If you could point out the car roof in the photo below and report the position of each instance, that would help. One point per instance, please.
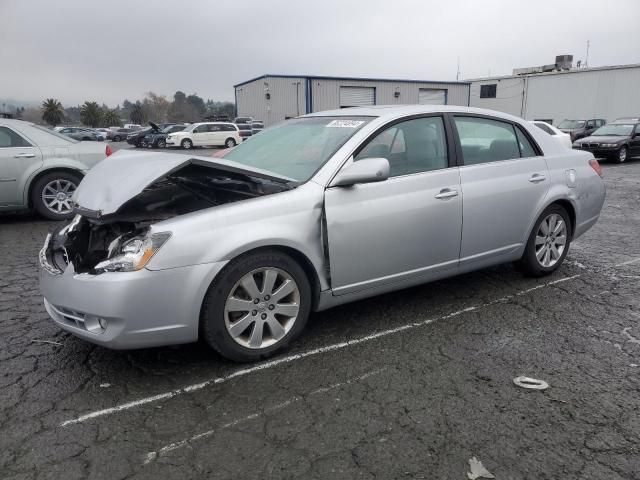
(395, 111)
(627, 120)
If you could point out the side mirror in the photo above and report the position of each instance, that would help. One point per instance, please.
(367, 170)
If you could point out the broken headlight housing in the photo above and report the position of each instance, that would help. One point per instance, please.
(134, 253)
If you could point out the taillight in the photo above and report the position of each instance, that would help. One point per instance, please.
(108, 150)
(596, 166)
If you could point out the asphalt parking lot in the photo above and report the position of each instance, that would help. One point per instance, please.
(407, 385)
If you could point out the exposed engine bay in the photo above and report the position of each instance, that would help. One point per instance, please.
(95, 244)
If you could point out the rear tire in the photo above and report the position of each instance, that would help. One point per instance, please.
(117, 139)
(230, 143)
(218, 319)
(547, 247)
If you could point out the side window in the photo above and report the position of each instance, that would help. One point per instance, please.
(413, 146)
(544, 127)
(591, 124)
(485, 140)
(9, 139)
(229, 128)
(200, 129)
(526, 149)
(214, 128)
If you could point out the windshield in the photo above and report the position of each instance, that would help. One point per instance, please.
(297, 148)
(614, 129)
(572, 124)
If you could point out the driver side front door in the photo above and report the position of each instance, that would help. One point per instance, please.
(405, 229)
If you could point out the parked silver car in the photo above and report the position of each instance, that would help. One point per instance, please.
(40, 168)
(315, 212)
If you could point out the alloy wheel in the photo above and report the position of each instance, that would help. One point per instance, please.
(262, 307)
(622, 155)
(56, 196)
(551, 240)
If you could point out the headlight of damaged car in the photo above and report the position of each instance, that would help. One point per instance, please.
(609, 145)
(134, 253)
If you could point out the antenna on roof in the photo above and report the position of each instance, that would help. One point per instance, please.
(458, 71)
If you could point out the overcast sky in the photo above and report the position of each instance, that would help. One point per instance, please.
(77, 50)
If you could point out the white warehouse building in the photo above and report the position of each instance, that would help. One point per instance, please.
(273, 98)
(574, 93)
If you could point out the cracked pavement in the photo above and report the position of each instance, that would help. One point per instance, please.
(415, 403)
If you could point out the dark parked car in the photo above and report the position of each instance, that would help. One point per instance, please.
(159, 139)
(617, 140)
(82, 134)
(256, 127)
(245, 130)
(119, 135)
(136, 138)
(580, 128)
(239, 120)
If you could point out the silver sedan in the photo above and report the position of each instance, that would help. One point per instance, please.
(41, 168)
(315, 212)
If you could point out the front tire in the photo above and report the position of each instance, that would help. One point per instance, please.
(117, 139)
(51, 195)
(258, 304)
(548, 242)
(161, 144)
(622, 155)
(186, 144)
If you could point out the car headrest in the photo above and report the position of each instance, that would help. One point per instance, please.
(503, 149)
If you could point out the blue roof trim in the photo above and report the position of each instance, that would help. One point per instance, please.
(359, 79)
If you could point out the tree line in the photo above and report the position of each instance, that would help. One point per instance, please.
(181, 108)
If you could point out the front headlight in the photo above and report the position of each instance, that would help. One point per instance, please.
(134, 254)
(609, 145)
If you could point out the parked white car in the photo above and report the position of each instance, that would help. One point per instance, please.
(206, 134)
(41, 168)
(559, 136)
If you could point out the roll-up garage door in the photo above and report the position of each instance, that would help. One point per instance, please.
(357, 96)
(432, 96)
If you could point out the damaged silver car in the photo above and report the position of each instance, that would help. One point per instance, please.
(317, 211)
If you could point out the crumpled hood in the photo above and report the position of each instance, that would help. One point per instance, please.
(125, 174)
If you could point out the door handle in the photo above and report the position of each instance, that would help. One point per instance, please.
(25, 155)
(536, 177)
(446, 193)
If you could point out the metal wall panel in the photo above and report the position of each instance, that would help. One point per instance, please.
(607, 94)
(282, 103)
(251, 97)
(432, 96)
(325, 93)
(509, 95)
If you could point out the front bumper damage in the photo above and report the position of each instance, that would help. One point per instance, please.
(124, 310)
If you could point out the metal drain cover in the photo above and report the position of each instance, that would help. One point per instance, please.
(531, 383)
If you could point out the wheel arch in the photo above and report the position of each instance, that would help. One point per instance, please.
(303, 260)
(42, 173)
(569, 207)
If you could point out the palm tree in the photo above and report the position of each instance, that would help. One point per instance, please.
(91, 114)
(138, 115)
(52, 112)
(110, 118)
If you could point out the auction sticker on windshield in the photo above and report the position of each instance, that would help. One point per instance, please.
(345, 123)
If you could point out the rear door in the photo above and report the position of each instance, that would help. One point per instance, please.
(18, 160)
(216, 135)
(634, 143)
(504, 180)
(402, 229)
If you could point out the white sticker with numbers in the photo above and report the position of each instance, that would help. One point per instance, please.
(345, 123)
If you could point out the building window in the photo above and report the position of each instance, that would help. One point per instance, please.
(488, 91)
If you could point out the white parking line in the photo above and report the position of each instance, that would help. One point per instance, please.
(299, 356)
(628, 262)
(149, 457)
